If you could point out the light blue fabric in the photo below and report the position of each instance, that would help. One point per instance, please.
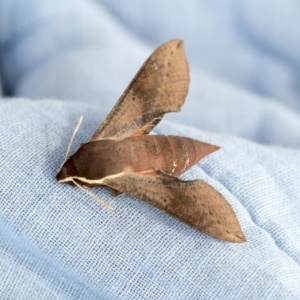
(61, 60)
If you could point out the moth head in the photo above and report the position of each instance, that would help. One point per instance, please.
(66, 173)
(67, 167)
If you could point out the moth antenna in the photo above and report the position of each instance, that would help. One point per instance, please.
(73, 136)
(105, 204)
(72, 139)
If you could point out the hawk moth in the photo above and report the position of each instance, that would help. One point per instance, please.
(122, 156)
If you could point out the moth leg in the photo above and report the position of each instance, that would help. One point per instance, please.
(194, 202)
(86, 190)
(114, 192)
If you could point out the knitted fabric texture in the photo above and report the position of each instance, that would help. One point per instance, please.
(75, 58)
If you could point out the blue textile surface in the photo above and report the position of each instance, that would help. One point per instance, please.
(61, 60)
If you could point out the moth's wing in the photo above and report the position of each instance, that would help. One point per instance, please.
(160, 86)
(193, 202)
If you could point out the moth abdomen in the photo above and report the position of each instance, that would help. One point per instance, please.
(177, 154)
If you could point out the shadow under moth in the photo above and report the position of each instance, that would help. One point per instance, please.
(122, 155)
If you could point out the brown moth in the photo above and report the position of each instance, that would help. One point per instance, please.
(122, 156)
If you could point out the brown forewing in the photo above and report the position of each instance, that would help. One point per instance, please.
(160, 86)
(194, 202)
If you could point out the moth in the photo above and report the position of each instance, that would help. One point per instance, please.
(122, 156)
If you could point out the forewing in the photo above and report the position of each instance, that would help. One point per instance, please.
(160, 86)
(193, 202)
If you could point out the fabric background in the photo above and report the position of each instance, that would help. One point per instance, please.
(61, 60)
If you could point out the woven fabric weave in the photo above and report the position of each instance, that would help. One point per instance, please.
(65, 60)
